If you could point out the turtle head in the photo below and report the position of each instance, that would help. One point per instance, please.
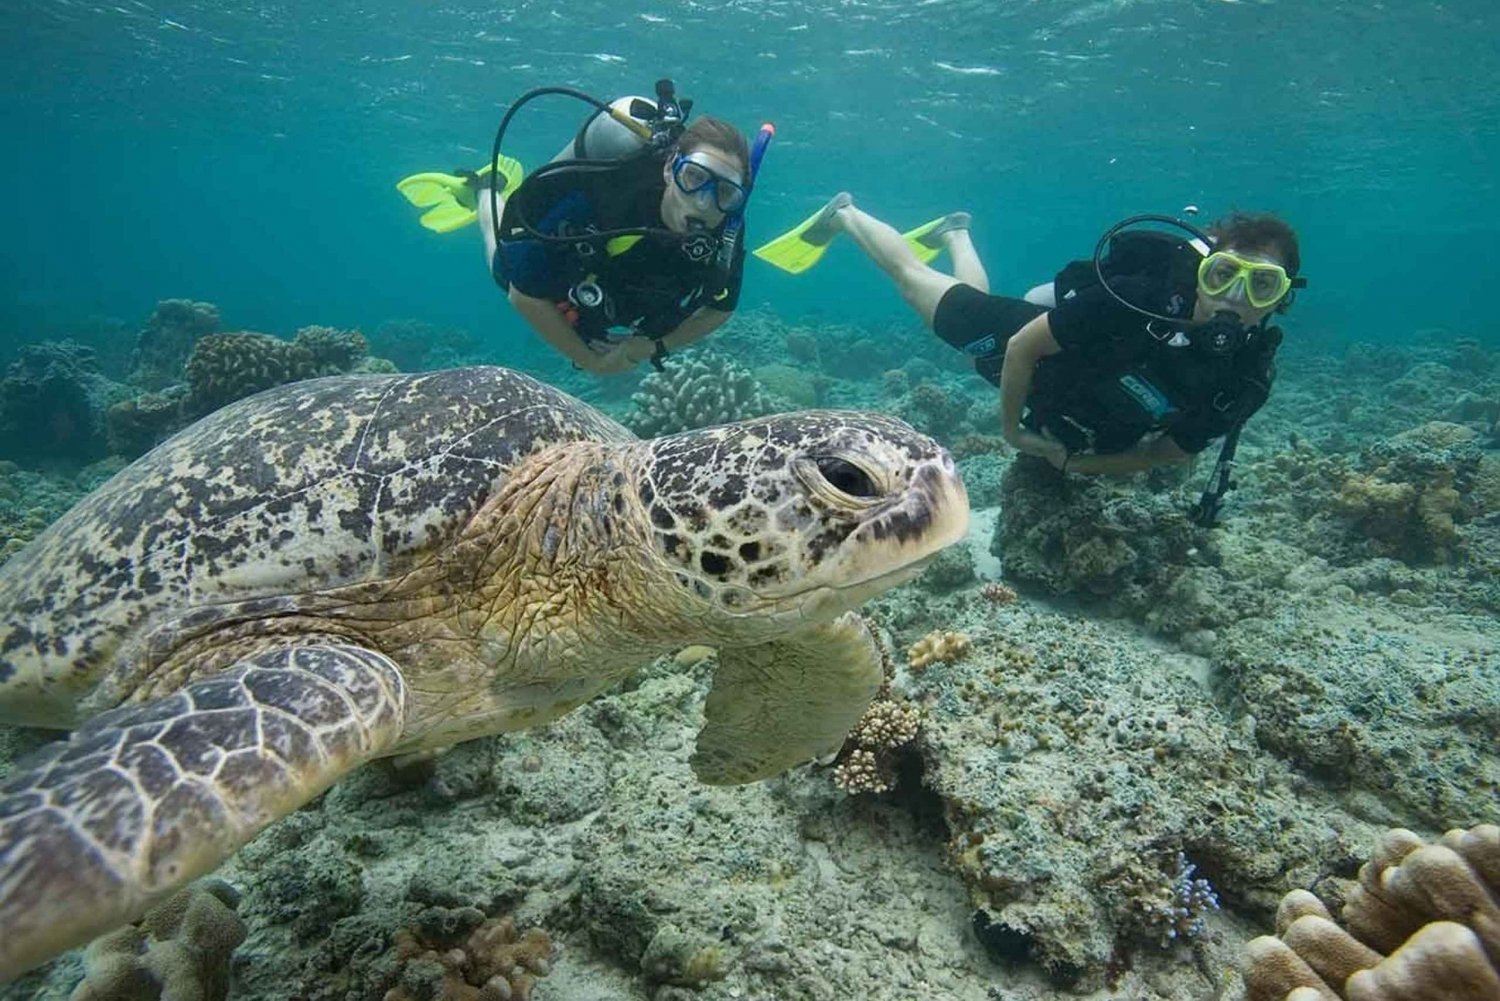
(798, 517)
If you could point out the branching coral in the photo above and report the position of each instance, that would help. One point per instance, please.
(704, 390)
(998, 594)
(180, 950)
(1168, 907)
(1421, 924)
(866, 762)
(227, 367)
(937, 647)
(495, 962)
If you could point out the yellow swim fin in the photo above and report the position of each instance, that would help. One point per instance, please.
(926, 241)
(800, 247)
(451, 200)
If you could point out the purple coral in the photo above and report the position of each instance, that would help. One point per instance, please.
(1191, 898)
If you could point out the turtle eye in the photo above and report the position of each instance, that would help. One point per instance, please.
(847, 478)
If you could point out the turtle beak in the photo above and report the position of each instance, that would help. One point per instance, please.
(899, 538)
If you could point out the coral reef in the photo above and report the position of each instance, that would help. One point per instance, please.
(952, 569)
(686, 960)
(1055, 729)
(136, 425)
(163, 345)
(997, 593)
(696, 391)
(1093, 536)
(179, 951)
(796, 386)
(1411, 488)
(222, 368)
(52, 404)
(937, 647)
(842, 351)
(982, 478)
(302, 884)
(1307, 676)
(495, 961)
(30, 501)
(417, 346)
(970, 445)
(1421, 923)
(865, 760)
(1162, 905)
(802, 346)
(894, 382)
(1363, 702)
(333, 351)
(936, 411)
(228, 367)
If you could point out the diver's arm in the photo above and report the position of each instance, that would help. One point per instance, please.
(697, 325)
(1026, 347)
(555, 330)
(1158, 451)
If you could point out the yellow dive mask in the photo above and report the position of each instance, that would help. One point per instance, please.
(1264, 283)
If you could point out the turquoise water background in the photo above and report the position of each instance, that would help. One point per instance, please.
(246, 154)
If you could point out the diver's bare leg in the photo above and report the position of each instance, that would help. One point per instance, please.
(967, 267)
(922, 287)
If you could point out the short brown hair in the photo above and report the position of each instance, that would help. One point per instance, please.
(717, 134)
(1263, 232)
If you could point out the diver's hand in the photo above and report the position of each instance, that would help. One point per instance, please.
(1044, 447)
(1056, 455)
(638, 348)
(624, 356)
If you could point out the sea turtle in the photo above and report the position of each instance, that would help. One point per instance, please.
(362, 566)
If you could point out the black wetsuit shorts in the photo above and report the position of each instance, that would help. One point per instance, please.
(979, 324)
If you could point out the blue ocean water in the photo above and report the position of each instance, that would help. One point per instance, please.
(246, 154)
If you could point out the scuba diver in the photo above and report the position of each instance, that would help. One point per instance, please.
(628, 245)
(1134, 359)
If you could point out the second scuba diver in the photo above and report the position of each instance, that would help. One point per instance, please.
(1137, 358)
(628, 245)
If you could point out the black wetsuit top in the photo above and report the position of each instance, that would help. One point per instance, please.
(1114, 381)
(650, 284)
(1119, 378)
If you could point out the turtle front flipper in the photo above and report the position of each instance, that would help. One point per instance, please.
(146, 798)
(781, 703)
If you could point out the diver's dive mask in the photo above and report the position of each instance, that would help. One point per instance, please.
(1224, 273)
(693, 177)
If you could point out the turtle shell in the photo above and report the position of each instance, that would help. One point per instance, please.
(300, 488)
